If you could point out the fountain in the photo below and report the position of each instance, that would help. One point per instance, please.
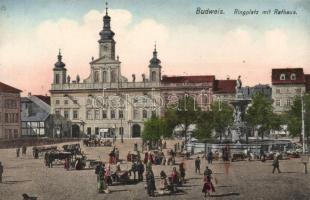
(240, 103)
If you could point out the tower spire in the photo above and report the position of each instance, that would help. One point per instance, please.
(59, 55)
(106, 8)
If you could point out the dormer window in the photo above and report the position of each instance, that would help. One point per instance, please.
(282, 77)
(293, 76)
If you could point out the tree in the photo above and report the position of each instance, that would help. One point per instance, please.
(204, 126)
(294, 117)
(152, 129)
(260, 115)
(222, 114)
(184, 112)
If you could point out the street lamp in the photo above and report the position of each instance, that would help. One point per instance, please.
(303, 124)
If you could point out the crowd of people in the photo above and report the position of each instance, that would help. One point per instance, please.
(141, 168)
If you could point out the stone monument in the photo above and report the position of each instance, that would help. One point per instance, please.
(239, 128)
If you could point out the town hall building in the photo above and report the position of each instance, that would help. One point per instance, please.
(107, 103)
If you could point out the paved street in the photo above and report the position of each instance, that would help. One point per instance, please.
(245, 180)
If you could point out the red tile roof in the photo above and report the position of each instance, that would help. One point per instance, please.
(8, 89)
(276, 73)
(224, 86)
(46, 99)
(187, 79)
(307, 79)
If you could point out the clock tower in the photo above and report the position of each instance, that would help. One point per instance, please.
(106, 42)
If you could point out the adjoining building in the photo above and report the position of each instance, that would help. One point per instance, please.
(9, 112)
(106, 103)
(249, 92)
(288, 83)
(37, 121)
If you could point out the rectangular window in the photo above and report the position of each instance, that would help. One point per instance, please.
(112, 114)
(88, 130)
(57, 79)
(97, 114)
(135, 114)
(97, 131)
(66, 102)
(75, 114)
(278, 102)
(6, 118)
(104, 114)
(57, 102)
(144, 114)
(278, 91)
(288, 102)
(88, 114)
(121, 114)
(57, 112)
(298, 90)
(66, 114)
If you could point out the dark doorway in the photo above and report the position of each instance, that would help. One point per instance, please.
(75, 130)
(136, 131)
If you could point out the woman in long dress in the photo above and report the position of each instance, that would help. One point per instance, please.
(208, 185)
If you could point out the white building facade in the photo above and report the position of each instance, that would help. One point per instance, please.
(107, 102)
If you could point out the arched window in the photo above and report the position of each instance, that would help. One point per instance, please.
(96, 77)
(153, 77)
(104, 76)
(57, 79)
(282, 77)
(293, 76)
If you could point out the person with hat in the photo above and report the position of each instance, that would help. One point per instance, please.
(197, 165)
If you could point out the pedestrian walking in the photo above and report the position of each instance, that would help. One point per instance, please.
(150, 182)
(208, 186)
(197, 165)
(107, 175)
(140, 170)
(210, 157)
(134, 169)
(182, 172)
(17, 152)
(276, 164)
(24, 149)
(1, 172)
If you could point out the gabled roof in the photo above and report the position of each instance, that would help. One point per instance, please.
(299, 72)
(187, 79)
(224, 86)
(9, 89)
(46, 99)
(103, 60)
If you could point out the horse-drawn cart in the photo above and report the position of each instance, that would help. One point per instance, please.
(121, 177)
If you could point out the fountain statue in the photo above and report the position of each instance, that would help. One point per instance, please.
(239, 128)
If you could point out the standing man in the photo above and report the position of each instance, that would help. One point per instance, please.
(140, 170)
(150, 182)
(210, 157)
(276, 163)
(1, 172)
(17, 152)
(197, 165)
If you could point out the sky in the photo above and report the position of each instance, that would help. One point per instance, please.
(32, 31)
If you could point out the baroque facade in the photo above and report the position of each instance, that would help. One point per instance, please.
(106, 103)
